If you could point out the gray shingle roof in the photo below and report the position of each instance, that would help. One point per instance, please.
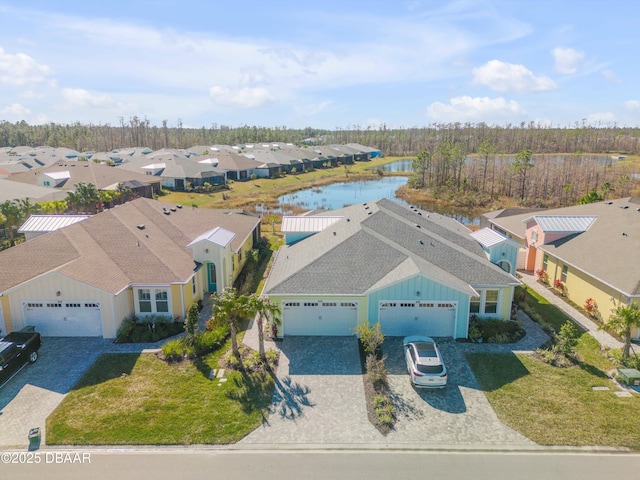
(379, 243)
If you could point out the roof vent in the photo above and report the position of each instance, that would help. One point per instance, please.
(624, 234)
(179, 206)
(348, 219)
(420, 242)
(141, 226)
(624, 207)
(167, 212)
(173, 209)
(334, 234)
(368, 213)
(418, 226)
(420, 213)
(608, 203)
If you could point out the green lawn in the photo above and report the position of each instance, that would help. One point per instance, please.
(138, 399)
(558, 406)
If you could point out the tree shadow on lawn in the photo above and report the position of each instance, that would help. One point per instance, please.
(107, 367)
(495, 370)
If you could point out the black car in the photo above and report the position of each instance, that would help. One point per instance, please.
(16, 350)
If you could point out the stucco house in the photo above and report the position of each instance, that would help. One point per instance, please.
(414, 271)
(592, 250)
(141, 258)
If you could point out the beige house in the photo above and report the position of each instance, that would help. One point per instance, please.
(141, 258)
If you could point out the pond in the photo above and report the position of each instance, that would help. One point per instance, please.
(339, 195)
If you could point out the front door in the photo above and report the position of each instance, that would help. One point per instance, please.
(211, 277)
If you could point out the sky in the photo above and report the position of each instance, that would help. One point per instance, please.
(330, 64)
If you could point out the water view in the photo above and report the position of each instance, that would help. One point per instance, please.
(338, 195)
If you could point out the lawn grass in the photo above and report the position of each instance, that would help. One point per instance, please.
(138, 399)
(551, 314)
(557, 406)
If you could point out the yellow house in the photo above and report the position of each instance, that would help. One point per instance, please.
(139, 259)
(590, 252)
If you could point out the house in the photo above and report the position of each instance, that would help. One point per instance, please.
(588, 251)
(414, 271)
(65, 175)
(141, 258)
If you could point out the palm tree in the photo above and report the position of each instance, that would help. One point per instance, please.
(264, 309)
(624, 318)
(231, 307)
(11, 212)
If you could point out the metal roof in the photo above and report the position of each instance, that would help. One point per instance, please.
(58, 175)
(307, 223)
(49, 223)
(488, 238)
(218, 235)
(563, 223)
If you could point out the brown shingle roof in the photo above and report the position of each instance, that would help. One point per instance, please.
(109, 251)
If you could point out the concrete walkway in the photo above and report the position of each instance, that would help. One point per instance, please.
(605, 339)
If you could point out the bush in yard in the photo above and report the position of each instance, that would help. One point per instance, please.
(210, 340)
(494, 330)
(376, 370)
(567, 339)
(371, 337)
(173, 350)
(591, 307)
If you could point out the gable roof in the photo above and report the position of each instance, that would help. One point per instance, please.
(607, 250)
(489, 238)
(109, 251)
(306, 223)
(378, 243)
(49, 223)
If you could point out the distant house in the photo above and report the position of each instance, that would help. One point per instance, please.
(371, 152)
(140, 258)
(587, 251)
(65, 175)
(414, 271)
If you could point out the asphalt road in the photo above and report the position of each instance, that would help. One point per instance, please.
(320, 464)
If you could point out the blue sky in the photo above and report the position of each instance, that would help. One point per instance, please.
(330, 64)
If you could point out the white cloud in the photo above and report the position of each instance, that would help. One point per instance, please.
(244, 97)
(632, 105)
(15, 110)
(466, 108)
(510, 77)
(568, 60)
(602, 118)
(21, 69)
(82, 98)
(611, 76)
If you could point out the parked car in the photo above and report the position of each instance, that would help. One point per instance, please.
(16, 350)
(424, 362)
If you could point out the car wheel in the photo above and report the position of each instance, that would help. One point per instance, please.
(33, 356)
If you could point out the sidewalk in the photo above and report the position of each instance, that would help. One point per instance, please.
(605, 339)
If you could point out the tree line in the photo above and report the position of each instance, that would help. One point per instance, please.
(508, 139)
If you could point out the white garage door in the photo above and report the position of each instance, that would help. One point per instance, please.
(434, 319)
(64, 319)
(319, 318)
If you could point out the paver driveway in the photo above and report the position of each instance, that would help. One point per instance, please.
(319, 395)
(27, 400)
(319, 399)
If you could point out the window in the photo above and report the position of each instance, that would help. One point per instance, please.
(545, 261)
(162, 301)
(193, 285)
(563, 276)
(47, 183)
(491, 301)
(534, 236)
(144, 300)
(474, 305)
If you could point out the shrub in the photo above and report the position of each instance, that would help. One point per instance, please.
(542, 275)
(567, 339)
(494, 330)
(173, 350)
(376, 370)
(371, 337)
(555, 357)
(559, 285)
(591, 307)
(210, 340)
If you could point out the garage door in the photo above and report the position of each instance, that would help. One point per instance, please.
(319, 318)
(435, 319)
(64, 319)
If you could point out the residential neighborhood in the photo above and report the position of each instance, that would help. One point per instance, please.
(81, 278)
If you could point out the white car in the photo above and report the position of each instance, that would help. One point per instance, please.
(424, 362)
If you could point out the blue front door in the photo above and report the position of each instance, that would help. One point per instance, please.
(211, 277)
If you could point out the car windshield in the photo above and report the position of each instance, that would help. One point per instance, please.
(430, 369)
